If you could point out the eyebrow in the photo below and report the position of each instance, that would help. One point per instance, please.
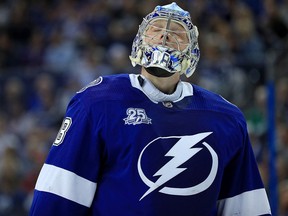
(173, 26)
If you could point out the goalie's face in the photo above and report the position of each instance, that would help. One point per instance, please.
(166, 33)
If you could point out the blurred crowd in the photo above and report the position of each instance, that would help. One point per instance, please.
(50, 49)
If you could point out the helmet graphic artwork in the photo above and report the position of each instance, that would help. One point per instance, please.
(170, 56)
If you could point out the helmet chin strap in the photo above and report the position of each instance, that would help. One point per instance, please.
(158, 72)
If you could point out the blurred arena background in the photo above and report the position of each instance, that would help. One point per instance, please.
(49, 49)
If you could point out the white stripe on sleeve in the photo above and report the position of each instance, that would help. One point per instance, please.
(67, 184)
(249, 203)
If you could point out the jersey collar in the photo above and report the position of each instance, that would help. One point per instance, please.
(183, 89)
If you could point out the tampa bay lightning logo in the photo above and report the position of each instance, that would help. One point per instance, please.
(183, 150)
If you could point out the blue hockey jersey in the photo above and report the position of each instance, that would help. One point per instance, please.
(124, 150)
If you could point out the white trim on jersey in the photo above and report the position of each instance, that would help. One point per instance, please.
(249, 203)
(66, 184)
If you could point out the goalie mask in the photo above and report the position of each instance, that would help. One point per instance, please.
(166, 42)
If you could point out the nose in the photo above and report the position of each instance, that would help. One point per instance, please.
(165, 37)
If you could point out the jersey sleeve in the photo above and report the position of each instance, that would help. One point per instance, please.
(68, 180)
(242, 190)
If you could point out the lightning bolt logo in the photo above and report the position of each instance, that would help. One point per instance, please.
(181, 152)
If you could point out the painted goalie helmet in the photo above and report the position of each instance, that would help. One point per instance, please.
(163, 49)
